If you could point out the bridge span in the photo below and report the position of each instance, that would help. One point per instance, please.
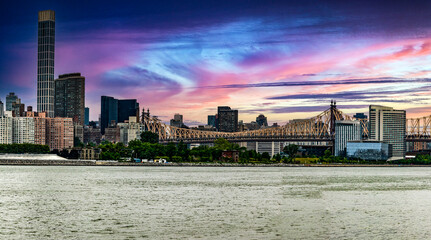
(320, 128)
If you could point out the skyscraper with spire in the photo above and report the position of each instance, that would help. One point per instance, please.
(45, 62)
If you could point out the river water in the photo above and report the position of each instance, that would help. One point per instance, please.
(56, 202)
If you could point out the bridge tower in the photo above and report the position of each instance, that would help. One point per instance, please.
(333, 117)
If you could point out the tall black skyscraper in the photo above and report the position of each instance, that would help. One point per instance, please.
(70, 97)
(127, 108)
(45, 62)
(108, 112)
(116, 111)
(227, 119)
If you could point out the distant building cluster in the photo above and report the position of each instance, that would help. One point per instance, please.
(36, 128)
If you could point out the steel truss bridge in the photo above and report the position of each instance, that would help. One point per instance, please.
(320, 128)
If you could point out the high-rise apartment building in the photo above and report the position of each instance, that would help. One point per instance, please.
(59, 133)
(70, 97)
(5, 130)
(389, 126)
(45, 62)
(22, 130)
(40, 130)
(177, 121)
(18, 108)
(227, 119)
(10, 98)
(346, 131)
(116, 111)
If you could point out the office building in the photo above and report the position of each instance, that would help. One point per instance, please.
(45, 62)
(109, 112)
(1, 109)
(10, 98)
(18, 108)
(389, 126)
(115, 111)
(364, 123)
(127, 108)
(22, 130)
(368, 150)
(134, 129)
(112, 134)
(271, 148)
(262, 120)
(87, 116)
(211, 120)
(177, 121)
(92, 135)
(345, 131)
(78, 134)
(5, 130)
(59, 133)
(123, 129)
(360, 116)
(69, 98)
(227, 119)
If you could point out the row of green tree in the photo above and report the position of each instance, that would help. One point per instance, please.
(149, 148)
(420, 159)
(23, 148)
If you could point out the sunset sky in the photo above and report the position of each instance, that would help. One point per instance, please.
(284, 59)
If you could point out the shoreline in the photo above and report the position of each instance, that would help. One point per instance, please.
(28, 162)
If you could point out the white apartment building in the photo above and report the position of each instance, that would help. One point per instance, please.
(22, 130)
(5, 130)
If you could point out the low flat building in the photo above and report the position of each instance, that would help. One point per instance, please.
(270, 147)
(89, 153)
(369, 150)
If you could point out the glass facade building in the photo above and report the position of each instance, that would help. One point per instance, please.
(345, 131)
(212, 120)
(115, 111)
(108, 112)
(45, 62)
(127, 108)
(368, 150)
(10, 99)
(87, 116)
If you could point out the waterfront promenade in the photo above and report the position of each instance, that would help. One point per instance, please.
(221, 164)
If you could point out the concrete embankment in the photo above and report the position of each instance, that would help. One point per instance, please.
(40, 162)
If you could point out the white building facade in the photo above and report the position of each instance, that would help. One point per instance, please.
(22, 130)
(345, 131)
(5, 130)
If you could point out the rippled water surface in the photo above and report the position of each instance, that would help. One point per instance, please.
(55, 202)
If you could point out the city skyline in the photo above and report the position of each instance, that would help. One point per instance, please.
(284, 60)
